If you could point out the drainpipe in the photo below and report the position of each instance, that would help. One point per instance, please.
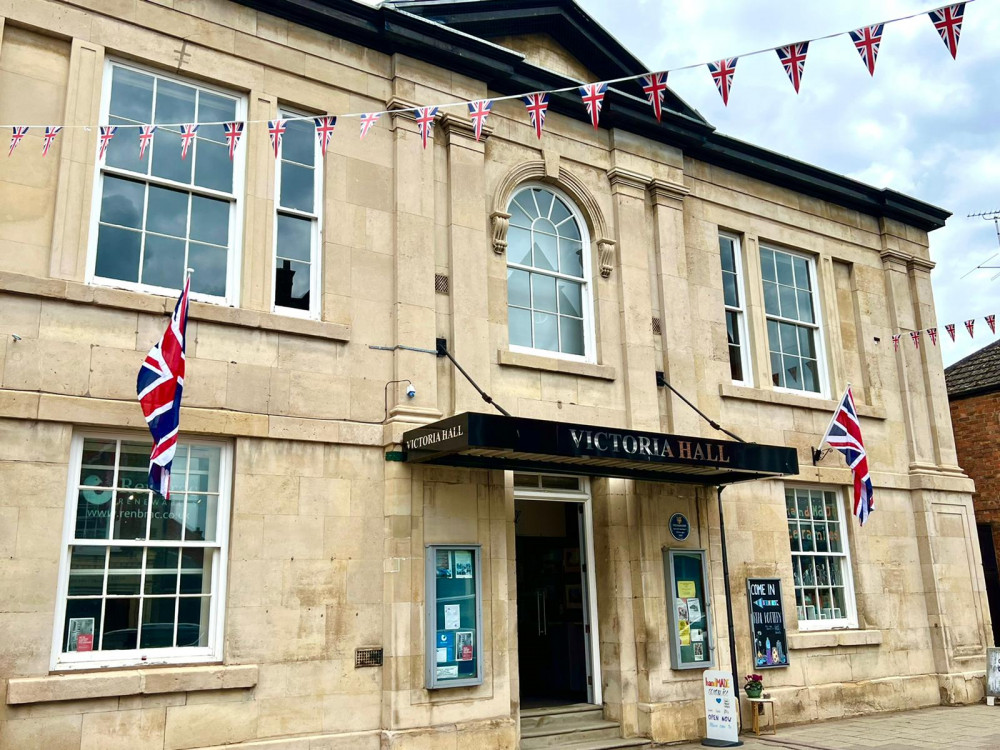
(729, 610)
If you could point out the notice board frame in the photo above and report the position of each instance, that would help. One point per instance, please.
(431, 620)
(783, 631)
(677, 660)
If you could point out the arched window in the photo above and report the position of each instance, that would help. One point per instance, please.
(548, 275)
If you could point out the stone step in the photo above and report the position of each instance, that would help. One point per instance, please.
(570, 733)
(553, 716)
(609, 744)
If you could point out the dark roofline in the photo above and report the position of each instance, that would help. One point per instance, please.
(989, 368)
(973, 392)
(390, 30)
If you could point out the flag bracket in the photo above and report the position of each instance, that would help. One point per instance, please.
(818, 454)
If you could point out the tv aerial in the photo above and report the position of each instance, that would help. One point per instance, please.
(993, 216)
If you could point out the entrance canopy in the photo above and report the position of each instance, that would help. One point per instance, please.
(491, 441)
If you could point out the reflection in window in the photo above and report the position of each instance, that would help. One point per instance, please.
(142, 568)
(732, 287)
(161, 214)
(548, 299)
(792, 320)
(298, 211)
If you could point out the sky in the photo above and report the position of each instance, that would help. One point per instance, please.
(925, 125)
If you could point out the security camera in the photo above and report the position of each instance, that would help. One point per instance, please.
(411, 391)
(15, 337)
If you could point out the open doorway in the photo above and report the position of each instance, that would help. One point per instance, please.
(554, 596)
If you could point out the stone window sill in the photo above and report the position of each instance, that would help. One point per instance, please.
(554, 364)
(728, 390)
(117, 683)
(123, 299)
(804, 640)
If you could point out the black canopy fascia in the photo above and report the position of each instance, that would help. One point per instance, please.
(491, 441)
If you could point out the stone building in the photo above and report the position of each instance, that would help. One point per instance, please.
(974, 393)
(323, 519)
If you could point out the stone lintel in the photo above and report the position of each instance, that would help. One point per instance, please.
(805, 639)
(554, 364)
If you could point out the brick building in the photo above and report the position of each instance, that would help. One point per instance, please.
(974, 393)
(347, 562)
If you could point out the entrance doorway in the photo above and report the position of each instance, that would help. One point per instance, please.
(556, 639)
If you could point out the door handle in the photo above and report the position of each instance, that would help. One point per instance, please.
(545, 615)
(538, 609)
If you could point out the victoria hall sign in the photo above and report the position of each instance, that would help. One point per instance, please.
(494, 441)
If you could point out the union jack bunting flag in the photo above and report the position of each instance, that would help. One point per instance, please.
(722, 73)
(932, 335)
(233, 131)
(969, 325)
(915, 337)
(276, 129)
(479, 111)
(950, 328)
(159, 386)
(145, 138)
(367, 121)
(50, 135)
(793, 58)
(425, 122)
(867, 40)
(593, 99)
(844, 435)
(324, 129)
(895, 342)
(948, 22)
(187, 135)
(106, 134)
(537, 104)
(654, 86)
(991, 321)
(19, 131)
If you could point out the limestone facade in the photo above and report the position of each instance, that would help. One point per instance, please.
(325, 552)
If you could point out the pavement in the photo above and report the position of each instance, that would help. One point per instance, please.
(975, 726)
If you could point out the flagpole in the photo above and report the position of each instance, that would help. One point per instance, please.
(834, 417)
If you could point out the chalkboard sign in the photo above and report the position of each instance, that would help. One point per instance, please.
(767, 623)
(993, 672)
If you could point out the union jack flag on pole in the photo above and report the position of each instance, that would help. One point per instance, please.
(867, 41)
(145, 138)
(367, 121)
(654, 86)
(479, 111)
(793, 59)
(537, 104)
(722, 73)
(324, 129)
(948, 22)
(159, 387)
(844, 435)
(19, 131)
(593, 98)
(51, 132)
(233, 131)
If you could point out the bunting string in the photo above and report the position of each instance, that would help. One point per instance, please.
(932, 333)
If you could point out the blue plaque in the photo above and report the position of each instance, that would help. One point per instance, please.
(679, 527)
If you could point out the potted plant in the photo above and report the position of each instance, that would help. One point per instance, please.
(753, 685)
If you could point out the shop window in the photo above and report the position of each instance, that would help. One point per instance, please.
(161, 214)
(735, 307)
(142, 577)
(454, 616)
(298, 211)
(549, 305)
(821, 562)
(793, 320)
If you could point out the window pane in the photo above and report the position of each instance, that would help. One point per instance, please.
(726, 254)
(560, 213)
(83, 623)
(124, 570)
(571, 335)
(158, 622)
(121, 617)
(133, 470)
(123, 149)
(294, 238)
(543, 292)
(93, 514)
(786, 297)
(519, 326)
(767, 264)
(732, 328)
(519, 246)
(776, 371)
(167, 162)
(810, 371)
(735, 363)
(789, 338)
(210, 220)
(571, 299)
(570, 257)
(130, 514)
(792, 373)
(167, 515)
(569, 229)
(86, 571)
(117, 253)
(161, 570)
(543, 199)
(292, 284)
(213, 168)
(518, 288)
(196, 575)
(192, 628)
(805, 306)
(546, 331)
(545, 253)
(131, 95)
(215, 108)
(518, 216)
(783, 262)
(299, 142)
(297, 187)
(801, 268)
(793, 536)
(121, 202)
(209, 265)
(163, 262)
(167, 213)
(729, 292)
(203, 471)
(771, 299)
(807, 346)
(174, 103)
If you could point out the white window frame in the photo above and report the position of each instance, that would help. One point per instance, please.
(587, 295)
(236, 199)
(817, 325)
(741, 310)
(850, 619)
(315, 270)
(62, 660)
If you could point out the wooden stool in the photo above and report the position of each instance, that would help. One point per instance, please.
(756, 705)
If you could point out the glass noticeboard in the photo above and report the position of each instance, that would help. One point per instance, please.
(688, 609)
(454, 616)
